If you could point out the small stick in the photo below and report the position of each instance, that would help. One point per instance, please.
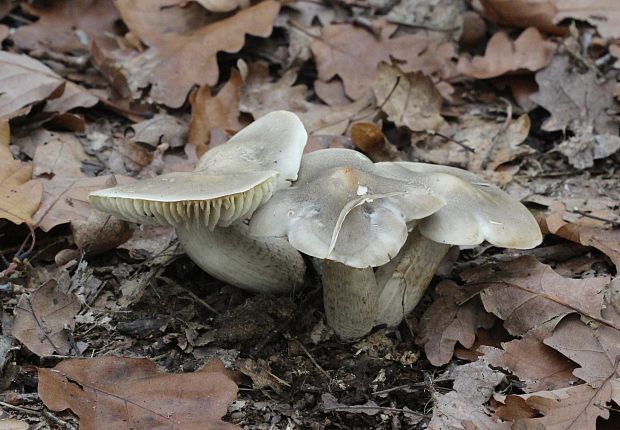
(323, 371)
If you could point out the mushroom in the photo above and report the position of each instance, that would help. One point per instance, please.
(354, 215)
(208, 206)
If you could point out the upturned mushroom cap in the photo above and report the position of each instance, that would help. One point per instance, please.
(275, 142)
(344, 213)
(188, 197)
(345, 208)
(229, 182)
(475, 209)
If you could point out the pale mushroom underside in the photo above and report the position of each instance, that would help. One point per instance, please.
(188, 198)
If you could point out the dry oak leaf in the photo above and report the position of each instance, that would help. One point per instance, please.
(409, 99)
(161, 128)
(537, 365)
(260, 96)
(44, 320)
(606, 241)
(493, 144)
(156, 21)
(575, 100)
(451, 318)
(530, 51)
(526, 293)
(65, 187)
(522, 13)
(171, 68)
(209, 112)
(24, 81)
(351, 53)
(66, 25)
(464, 408)
(573, 408)
(418, 53)
(20, 196)
(116, 393)
(602, 14)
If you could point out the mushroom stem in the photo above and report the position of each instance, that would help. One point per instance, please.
(405, 278)
(350, 297)
(264, 265)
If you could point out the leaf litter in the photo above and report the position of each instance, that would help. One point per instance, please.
(522, 93)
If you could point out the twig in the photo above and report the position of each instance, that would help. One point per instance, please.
(189, 293)
(26, 411)
(458, 142)
(345, 408)
(598, 218)
(318, 366)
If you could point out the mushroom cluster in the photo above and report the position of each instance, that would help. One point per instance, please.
(376, 231)
(353, 215)
(208, 206)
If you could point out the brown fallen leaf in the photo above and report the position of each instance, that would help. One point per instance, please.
(12, 424)
(573, 408)
(195, 55)
(25, 81)
(44, 320)
(351, 53)
(537, 365)
(61, 24)
(575, 100)
(219, 111)
(451, 318)
(493, 144)
(260, 96)
(410, 100)
(527, 294)
(130, 393)
(419, 53)
(530, 51)
(594, 348)
(605, 241)
(464, 408)
(146, 19)
(522, 13)
(602, 14)
(65, 187)
(19, 195)
(162, 128)
(100, 232)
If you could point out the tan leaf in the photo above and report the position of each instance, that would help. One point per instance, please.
(219, 111)
(44, 319)
(130, 393)
(523, 13)
(491, 144)
(24, 81)
(602, 14)
(530, 51)
(12, 424)
(410, 100)
(464, 408)
(606, 241)
(351, 53)
(260, 96)
(595, 348)
(574, 408)
(146, 19)
(162, 128)
(65, 187)
(60, 24)
(172, 67)
(223, 5)
(19, 195)
(526, 293)
(418, 53)
(534, 363)
(575, 100)
(448, 320)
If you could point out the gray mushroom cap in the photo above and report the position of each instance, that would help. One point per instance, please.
(343, 213)
(475, 209)
(275, 142)
(345, 208)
